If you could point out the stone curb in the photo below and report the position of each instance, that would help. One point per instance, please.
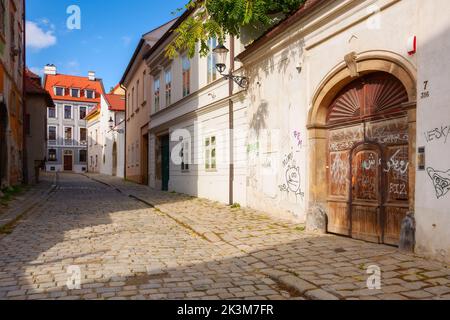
(302, 287)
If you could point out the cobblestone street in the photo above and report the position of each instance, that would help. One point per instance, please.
(131, 242)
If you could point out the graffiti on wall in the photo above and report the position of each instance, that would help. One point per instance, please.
(298, 138)
(441, 181)
(438, 134)
(292, 177)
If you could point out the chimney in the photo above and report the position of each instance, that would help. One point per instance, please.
(50, 69)
(91, 75)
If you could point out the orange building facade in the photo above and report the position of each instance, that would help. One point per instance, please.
(12, 57)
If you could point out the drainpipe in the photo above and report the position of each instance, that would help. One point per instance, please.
(125, 134)
(231, 123)
(24, 111)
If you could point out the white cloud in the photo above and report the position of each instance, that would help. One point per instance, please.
(37, 38)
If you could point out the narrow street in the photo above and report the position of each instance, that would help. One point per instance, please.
(131, 242)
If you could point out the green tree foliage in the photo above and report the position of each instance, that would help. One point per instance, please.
(219, 18)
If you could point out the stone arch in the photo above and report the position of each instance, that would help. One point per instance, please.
(351, 68)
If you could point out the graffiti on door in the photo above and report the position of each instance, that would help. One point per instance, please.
(441, 181)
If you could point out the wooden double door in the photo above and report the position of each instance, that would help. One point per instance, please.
(368, 160)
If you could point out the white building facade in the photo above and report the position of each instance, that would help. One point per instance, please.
(195, 119)
(353, 95)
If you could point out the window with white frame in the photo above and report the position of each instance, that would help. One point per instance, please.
(168, 83)
(186, 66)
(157, 93)
(67, 112)
(90, 94)
(74, 92)
(59, 91)
(52, 133)
(83, 112)
(212, 72)
(83, 136)
(51, 112)
(210, 153)
(68, 135)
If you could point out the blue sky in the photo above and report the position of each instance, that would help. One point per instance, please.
(110, 31)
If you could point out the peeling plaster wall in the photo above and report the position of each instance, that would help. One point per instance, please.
(285, 75)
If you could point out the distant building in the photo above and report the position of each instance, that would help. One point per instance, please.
(74, 98)
(137, 81)
(106, 131)
(12, 59)
(35, 125)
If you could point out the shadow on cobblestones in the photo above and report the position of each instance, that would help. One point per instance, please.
(126, 250)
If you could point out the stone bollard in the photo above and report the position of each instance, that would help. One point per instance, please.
(316, 220)
(408, 233)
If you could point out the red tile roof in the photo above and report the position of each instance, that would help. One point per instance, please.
(68, 82)
(116, 102)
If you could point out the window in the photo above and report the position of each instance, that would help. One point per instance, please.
(52, 155)
(144, 98)
(2, 17)
(133, 100)
(90, 139)
(68, 135)
(129, 105)
(96, 161)
(210, 153)
(168, 82)
(132, 155)
(83, 156)
(212, 72)
(90, 94)
(52, 133)
(67, 112)
(52, 113)
(75, 93)
(157, 91)
(185, 155)
(59, 91)
(96, 136)
(137, 95)
(186, 76)
(83, 136)
(83, 113)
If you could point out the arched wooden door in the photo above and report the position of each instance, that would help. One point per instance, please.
(368, 159)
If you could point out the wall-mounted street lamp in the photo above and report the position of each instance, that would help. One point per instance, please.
(221, 53)
(111, 126)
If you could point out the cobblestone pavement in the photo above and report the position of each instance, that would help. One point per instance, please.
(131, 242)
